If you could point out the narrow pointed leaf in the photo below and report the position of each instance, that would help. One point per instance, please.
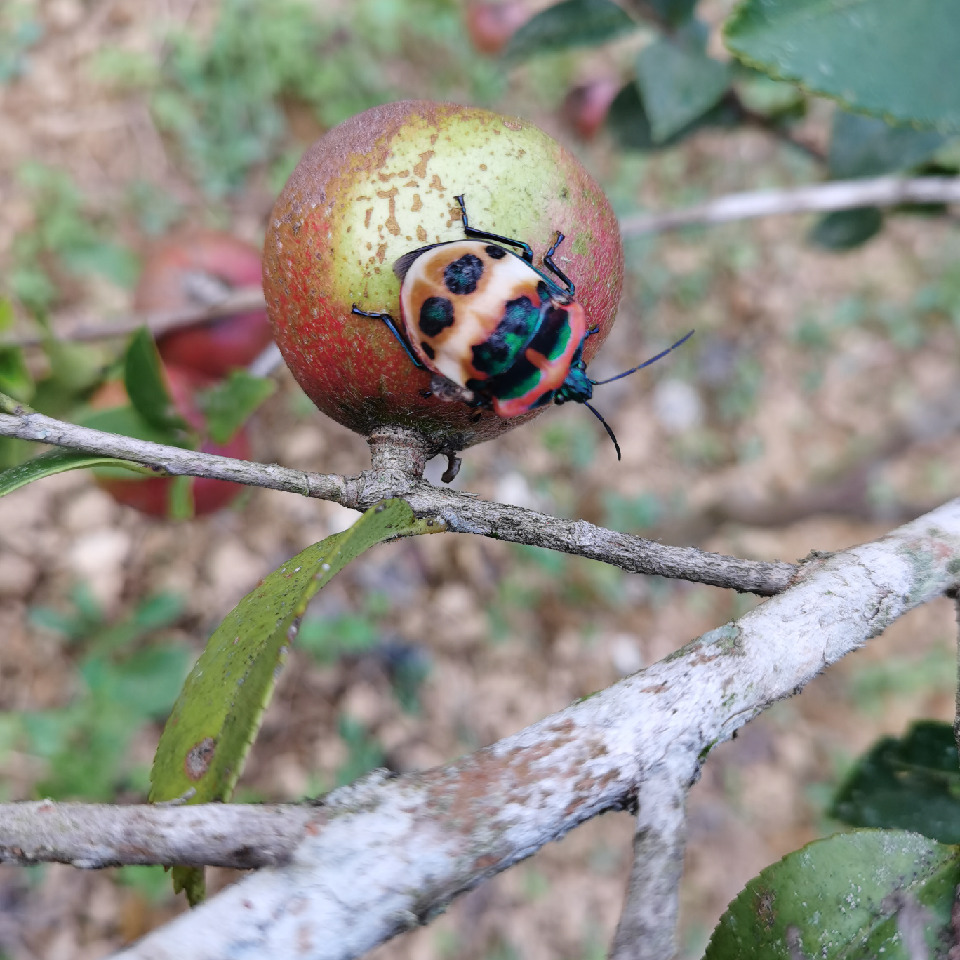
(145, 385)
(230, 403)
(205, 741)
(58, 461)
(869, 893)
(887, 58)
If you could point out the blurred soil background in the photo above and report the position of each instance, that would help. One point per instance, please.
(804, 415)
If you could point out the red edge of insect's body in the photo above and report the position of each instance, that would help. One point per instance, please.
(553, 372)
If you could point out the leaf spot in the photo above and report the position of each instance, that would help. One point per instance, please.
(198, 758)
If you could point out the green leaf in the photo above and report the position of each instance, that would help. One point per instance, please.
(629, 124)
(911, 783)
(189, 880)
(846, 229)
(673, 12)
(15, 378)
(229, 404)
(218, 713)
(74, 367)
(571, 23)
(144, 684)
(678, 84)
(146, 387)
(853, 895)
(116, 263)
(868, 147)
(56, 461)
(887, 58)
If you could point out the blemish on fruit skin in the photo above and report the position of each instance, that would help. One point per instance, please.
(420, 167)
(483, 166)
(417, 203)
(381, 252)
(421, 234)
(367, 216)
(391, 222)
(435, 184)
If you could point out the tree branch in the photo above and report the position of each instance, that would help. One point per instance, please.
(92, 836)
(460, 512)
(385, 854)
(648, 924)
(814, 198)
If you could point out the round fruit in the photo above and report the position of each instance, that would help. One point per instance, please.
(585, 107)
(195, 270)
(384, 184)
(491, 23)
(151, 495)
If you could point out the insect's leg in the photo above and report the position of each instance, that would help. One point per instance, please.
(548, 262)
(394, 329)
(475, 234)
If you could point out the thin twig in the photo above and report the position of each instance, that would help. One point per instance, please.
(157, 322)
(459, 512)
(815, 198)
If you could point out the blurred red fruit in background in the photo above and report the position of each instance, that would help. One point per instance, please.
(198, 270)
(491, 25)
(586, 106)
(152, 495)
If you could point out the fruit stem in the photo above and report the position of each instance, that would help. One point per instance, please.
(398, 456)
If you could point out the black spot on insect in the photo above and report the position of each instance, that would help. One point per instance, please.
(513, 333)
(436, 315)
(461, 276)
(427, 349)
(495, 253)
(543, 291)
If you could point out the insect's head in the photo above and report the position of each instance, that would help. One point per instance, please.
(578, 387)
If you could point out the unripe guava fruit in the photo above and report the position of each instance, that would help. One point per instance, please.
(191, 270)
(151, 495)
(382, 184)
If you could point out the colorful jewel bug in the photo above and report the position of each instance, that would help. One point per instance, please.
(495, 331)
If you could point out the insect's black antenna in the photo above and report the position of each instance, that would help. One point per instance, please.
(646, 363)
(606, 426)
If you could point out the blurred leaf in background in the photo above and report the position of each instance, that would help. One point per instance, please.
(128, 677)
